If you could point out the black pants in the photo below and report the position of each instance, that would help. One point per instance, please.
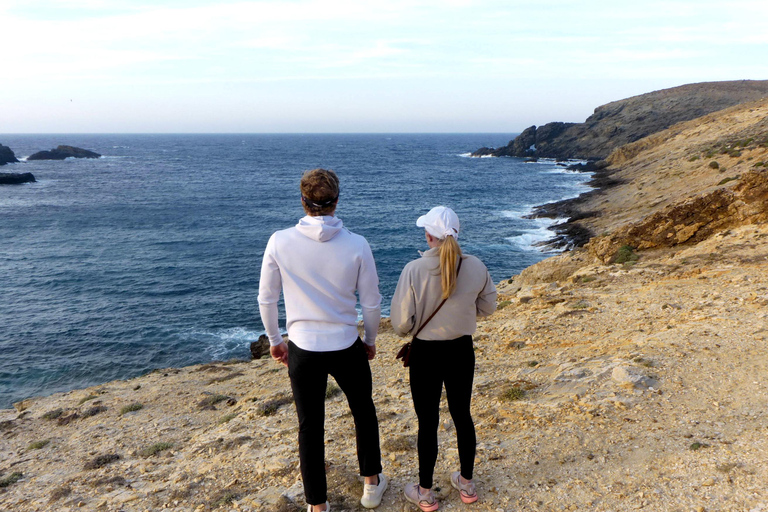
(434, 363)
(309, 377)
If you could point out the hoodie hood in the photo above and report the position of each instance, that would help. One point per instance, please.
(320, 229)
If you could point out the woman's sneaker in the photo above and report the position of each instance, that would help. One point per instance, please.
(372, 493)
(467, 491)
(425, 501)
(327, 507)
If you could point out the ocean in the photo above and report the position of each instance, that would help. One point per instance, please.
(149, 257)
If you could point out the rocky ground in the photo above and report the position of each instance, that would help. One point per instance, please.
(610, 379)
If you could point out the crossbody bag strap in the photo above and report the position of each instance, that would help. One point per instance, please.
(438, 307)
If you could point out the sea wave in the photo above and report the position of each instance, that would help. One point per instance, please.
(531, 239)
(222, 344)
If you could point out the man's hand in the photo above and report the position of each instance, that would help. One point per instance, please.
(370, 350)
(280, 353)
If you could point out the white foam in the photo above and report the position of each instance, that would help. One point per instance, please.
(224, 344)
(465, 155)
(531, 238)
(517, 214)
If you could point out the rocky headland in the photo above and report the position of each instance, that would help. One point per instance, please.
(621, 122)
(63, 152)
(7, 156)
(626, 374)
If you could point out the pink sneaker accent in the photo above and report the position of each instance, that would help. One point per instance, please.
(467, 491)
(426, 501)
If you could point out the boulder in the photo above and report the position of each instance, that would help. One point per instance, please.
(260, 348)
(16, 178)
(62, 152)
(7, 156)
(485, 152)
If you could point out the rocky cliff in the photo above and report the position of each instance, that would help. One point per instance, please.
(621, 122)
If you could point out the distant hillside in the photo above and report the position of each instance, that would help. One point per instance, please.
(621, 122)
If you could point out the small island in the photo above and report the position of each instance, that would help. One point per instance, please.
(62, 152)
(7, 156)
(12, 178)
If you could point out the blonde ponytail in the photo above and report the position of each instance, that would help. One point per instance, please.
(450, 252)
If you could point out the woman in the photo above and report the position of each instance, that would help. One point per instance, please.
(460, 289)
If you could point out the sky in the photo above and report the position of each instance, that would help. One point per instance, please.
(343, 66)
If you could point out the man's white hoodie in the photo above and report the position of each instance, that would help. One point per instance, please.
(319, 265)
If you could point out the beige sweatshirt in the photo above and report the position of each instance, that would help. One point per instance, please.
(419, 293)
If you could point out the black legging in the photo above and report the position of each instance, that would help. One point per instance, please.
(434, 363)
(309, 376)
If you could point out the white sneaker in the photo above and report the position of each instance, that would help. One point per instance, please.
(372, 493)
(327, 507)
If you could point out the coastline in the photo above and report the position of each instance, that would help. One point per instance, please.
(602, 383)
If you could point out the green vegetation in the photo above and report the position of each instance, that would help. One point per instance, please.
(332, 390)
(101, 461)
(227, 418)
(582, 304)
(532, 364)
(36, 445)
(503, 304)
(513, 394)
(270, 407)
(59, 493)
(225, 377)
(10, 479)
(130, 408)
(223, 499)
(645, 362)
(693, 158)
(697, 446)
(156, 448)
(87, 398)
(714, 165)
(732, 178)
(626, 255)
(93, 411)
(211, 400)
(52, 415)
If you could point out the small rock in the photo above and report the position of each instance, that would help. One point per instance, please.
(631, 377)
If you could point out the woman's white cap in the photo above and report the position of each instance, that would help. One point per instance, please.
(440, 222)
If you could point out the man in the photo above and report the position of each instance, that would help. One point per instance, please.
(319, 265)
